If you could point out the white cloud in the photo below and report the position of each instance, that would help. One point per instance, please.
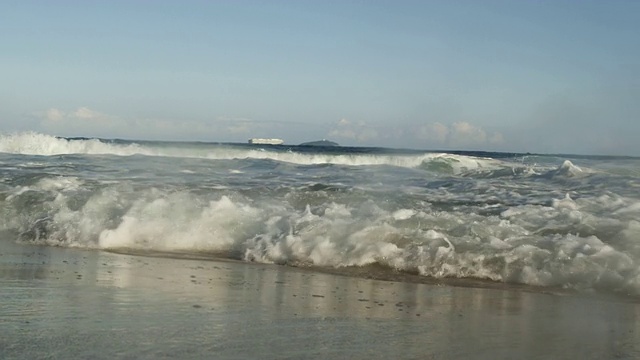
(343, 122)
(459, 135)
(87, 114)
(436, 132)
(54, 114)
(360, 132)
(84, 121)
(81, 113)
(343, 133)
(464, 135)
(239, 126)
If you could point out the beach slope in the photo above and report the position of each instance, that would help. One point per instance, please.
(62, 303)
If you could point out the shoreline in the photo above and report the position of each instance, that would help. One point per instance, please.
(71, 303)
(376, 272)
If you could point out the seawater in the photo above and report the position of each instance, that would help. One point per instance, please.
(562, 221)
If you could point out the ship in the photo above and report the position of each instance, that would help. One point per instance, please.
(263, 141)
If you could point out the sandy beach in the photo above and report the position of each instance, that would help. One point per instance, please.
(62, 303)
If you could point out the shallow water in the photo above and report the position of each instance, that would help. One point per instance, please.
(62, 303)
(568, 222)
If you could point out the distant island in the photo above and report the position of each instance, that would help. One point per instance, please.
(322, 142)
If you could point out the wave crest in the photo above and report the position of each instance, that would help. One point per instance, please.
(31, 143)
(561, 244)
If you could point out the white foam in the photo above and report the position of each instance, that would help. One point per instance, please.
(31, 143)
(403, 214)
(568, 169)
(529, 244)
(576, 240)
(566, 203)
(176, 223)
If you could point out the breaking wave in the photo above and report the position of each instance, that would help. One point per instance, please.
(46, 145)
(584, 244)
(535, 220)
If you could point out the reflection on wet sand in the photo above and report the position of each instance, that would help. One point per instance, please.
(63, 303)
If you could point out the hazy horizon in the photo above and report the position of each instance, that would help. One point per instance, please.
(27, 139)
(539, 77)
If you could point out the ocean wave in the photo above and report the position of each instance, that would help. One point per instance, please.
(586, 243)
(31, 143)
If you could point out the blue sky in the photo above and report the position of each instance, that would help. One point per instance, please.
(528, 76)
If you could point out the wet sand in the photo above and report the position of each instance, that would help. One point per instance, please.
(61, 303)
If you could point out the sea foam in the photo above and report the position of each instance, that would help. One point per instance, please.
(553, 223)
(45, 145)
(559, 245)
